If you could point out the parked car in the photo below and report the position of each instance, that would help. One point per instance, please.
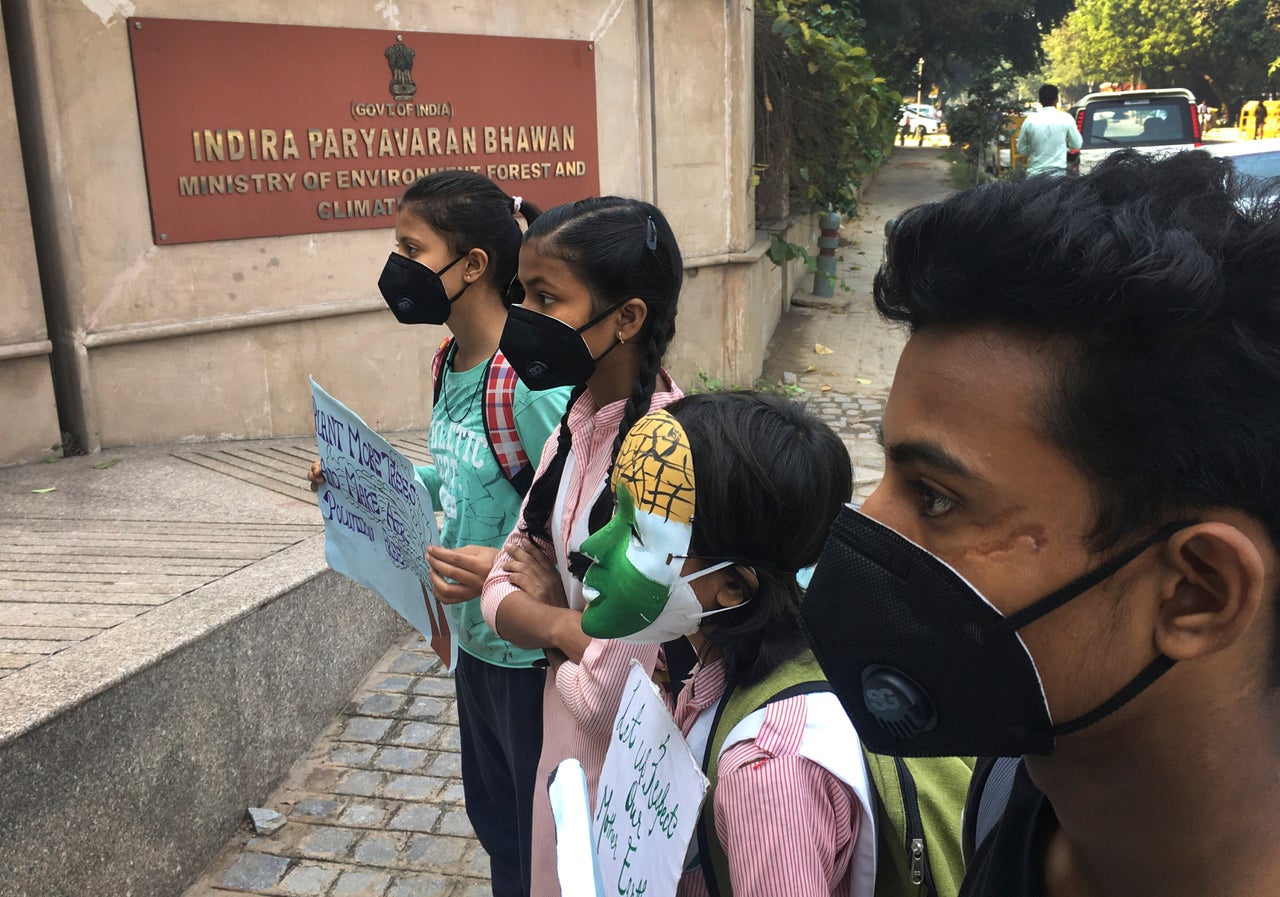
(1256, 159)
(1150, 121)
(919, 119)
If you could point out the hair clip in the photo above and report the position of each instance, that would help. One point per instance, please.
(651, 237)
(515, 204)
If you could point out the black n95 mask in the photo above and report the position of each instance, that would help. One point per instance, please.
(924, 665)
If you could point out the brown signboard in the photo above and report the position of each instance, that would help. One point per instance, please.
(255, 130)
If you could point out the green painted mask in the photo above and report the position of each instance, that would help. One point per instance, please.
(637, 555)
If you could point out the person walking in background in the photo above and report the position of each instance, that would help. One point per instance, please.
(1046, 135)
(1260, 119)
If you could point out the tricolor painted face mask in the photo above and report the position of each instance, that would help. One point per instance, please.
(633, 586)
(924, 665)
(414, 292)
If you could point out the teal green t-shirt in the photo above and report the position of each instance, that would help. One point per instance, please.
(479, 505)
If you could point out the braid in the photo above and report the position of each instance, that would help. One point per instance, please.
(542, 494)
(637, 407)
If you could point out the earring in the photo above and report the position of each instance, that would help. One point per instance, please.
(621, 341)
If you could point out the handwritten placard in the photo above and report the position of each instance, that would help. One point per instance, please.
(378, 520)
(648, 797)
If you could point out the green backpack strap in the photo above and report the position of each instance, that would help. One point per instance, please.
(798, 676)
(919, 805)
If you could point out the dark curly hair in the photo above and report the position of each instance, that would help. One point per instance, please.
(1156, 281)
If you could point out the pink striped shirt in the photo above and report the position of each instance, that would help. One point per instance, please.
(581, 699)
(786, 824)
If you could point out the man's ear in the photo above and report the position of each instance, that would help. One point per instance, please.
(474, 265)
(1217, 592)
(736, 585)
(630, 318)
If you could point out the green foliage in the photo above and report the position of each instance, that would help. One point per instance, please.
(1221, 49)
(825, 120)
(974, 125)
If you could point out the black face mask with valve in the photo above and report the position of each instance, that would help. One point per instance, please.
(546, 352)
(414, 292)
(924, 665)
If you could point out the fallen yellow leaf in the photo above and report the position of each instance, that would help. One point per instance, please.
(864, 381)
(810, 369)
(826, 387)
(823, 350)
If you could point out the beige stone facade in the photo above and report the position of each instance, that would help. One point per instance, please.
(215, 340)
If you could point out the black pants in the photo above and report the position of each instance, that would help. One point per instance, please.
(500, 717)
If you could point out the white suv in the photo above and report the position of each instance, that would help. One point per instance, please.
(1149, 121)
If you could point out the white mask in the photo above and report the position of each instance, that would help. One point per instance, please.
(683, 613)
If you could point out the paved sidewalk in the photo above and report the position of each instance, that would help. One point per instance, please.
(841, 353)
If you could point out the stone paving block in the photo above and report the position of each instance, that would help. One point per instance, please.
(419, 886)
(417, 734)
(309, 881)
(450, 739)
(379, 849)
(362, 815)
(401, 759)
(395, 683)
(425, 708)
(255, 872)
(382, 704)
(328, 843)
(412, 663)
(317, 808)
(449, 715)
(416, 818)
(479, 864)
(366, 728)
(361, 884)
(445, 764)
(452, 794)
(473, 889)
(353, 754)
(430, 685)
(455, 822)
(409, 787)
(361, 782)
(436, 851)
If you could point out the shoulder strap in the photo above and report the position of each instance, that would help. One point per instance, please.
(438, 361)
(988, 795)
(798, 676)
(500, 423)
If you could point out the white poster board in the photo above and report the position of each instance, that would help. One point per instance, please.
(378, 520)
(647, 801)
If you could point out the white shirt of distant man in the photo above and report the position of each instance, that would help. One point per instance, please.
(1046, 136)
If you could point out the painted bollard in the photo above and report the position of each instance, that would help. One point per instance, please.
(824, 279)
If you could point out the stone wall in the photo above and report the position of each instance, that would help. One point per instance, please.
(216, 340)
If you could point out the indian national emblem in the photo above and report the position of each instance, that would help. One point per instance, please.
(400, 58)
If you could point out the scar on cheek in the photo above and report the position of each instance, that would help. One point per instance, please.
(1031, 538)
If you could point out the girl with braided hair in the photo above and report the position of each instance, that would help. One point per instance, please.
(601, 278)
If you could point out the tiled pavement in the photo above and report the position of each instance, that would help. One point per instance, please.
(375, 808)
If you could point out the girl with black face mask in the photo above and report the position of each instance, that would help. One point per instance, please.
(601, 278)
(457, 245)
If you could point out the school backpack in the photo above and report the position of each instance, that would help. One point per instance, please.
(918, 801)
(499, 413)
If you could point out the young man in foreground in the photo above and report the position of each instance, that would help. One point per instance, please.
(1072, 556)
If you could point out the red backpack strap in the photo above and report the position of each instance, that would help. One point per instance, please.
(500, 423)
(437, 368)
